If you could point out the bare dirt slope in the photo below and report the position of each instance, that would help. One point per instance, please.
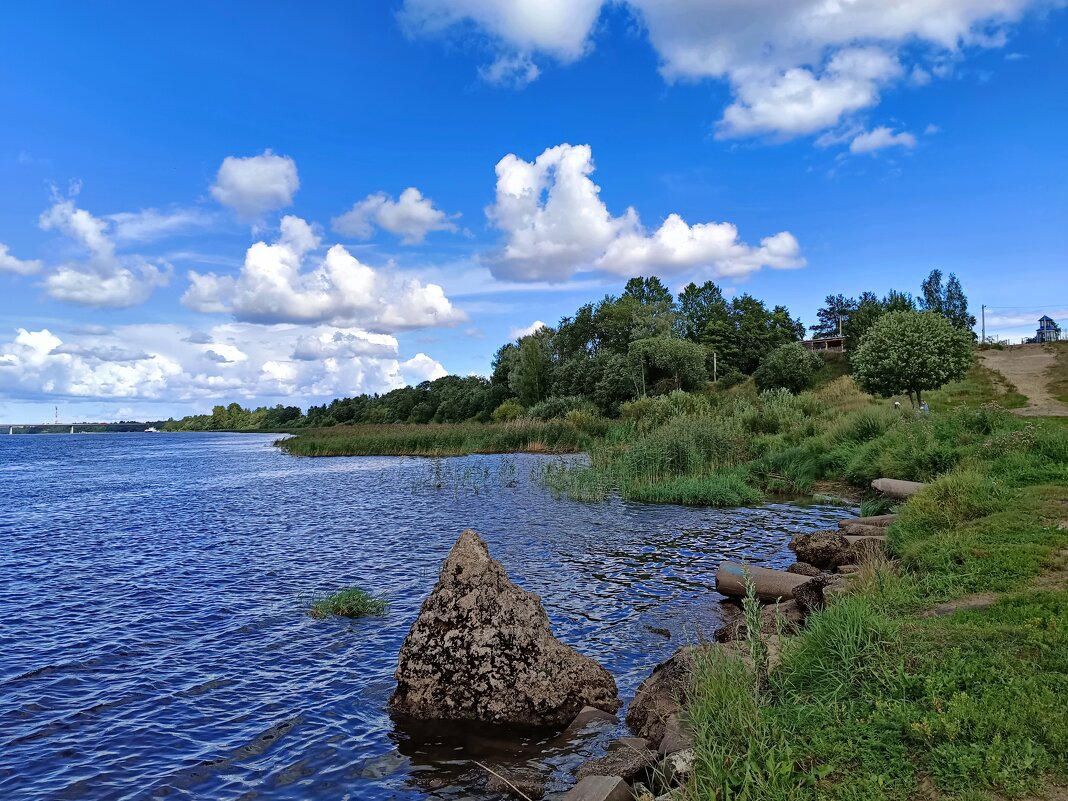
(1025, 366)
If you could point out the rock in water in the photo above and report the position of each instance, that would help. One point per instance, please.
(481, 649)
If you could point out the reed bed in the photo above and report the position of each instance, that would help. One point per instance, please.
(521, 436)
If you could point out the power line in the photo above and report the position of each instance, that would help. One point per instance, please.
(1048, 306)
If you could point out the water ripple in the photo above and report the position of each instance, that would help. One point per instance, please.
(153, 640)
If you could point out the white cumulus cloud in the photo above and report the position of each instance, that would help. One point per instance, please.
(787, 61)
(273, 286)
(558, 28)
(803, 101)
(98, 276)
(411, 217)
(881, 138)
(233, 361)
(526, 331)
(257, 184)
(555, 224)
(9, 264)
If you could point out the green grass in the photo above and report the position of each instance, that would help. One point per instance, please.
(980, 385)
(556, 436)
(871, 701)
(347, 602)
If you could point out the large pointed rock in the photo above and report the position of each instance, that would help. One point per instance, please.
(481, 649)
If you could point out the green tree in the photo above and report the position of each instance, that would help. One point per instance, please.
(832, 316)
(530, 378)
(911, 352)
(790, 366)
(678, 362)
(933, 293)
(698, 306)
(955, 307)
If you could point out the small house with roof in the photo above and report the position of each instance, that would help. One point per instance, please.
(1048, 330)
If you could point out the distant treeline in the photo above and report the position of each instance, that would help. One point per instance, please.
(643, 342)
(124, 426)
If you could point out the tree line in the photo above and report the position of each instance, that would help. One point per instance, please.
(642, 342)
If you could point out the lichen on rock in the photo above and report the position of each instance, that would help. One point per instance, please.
(482, 649)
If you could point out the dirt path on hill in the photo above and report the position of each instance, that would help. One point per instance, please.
(1025, 366)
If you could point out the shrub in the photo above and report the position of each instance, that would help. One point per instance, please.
(507, 411)
(554, 407)
(789, 367)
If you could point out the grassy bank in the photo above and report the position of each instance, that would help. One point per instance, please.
(875, 700)
(733, 448)
(554, 436)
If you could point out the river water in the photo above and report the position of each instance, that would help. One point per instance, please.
(154, 641)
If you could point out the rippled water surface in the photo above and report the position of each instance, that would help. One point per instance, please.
(153, 635)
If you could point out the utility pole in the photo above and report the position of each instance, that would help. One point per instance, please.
(983, 340)
(715, 368)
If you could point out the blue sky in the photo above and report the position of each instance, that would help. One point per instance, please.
(264, 202)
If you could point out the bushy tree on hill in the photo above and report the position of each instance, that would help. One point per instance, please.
(789, 367)
(908, 352)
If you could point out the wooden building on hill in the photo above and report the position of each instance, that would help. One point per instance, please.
(825, 344)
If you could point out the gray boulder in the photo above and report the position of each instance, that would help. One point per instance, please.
(481, 649)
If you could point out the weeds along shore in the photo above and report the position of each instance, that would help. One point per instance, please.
(727, 448)
(940, 674)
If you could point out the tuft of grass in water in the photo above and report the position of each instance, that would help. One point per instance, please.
(347, 602)
(727, 488)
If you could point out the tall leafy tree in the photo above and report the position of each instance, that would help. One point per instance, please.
(530, 377)
(697, 307)
(955, 307)
(831, 317)
(933, 293)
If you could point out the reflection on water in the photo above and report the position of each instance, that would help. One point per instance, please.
(153, 641)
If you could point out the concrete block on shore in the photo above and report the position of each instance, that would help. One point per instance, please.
(872, 520)
(600, 788)
(771, 585)
(896, 488)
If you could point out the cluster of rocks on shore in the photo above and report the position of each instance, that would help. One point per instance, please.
(481, 649)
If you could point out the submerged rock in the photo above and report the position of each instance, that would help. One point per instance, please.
(481, 649)
(516, 783)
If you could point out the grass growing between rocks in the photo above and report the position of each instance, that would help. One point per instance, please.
(347, 602)
(874, 700)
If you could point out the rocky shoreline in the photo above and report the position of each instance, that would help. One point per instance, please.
(481, 649)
